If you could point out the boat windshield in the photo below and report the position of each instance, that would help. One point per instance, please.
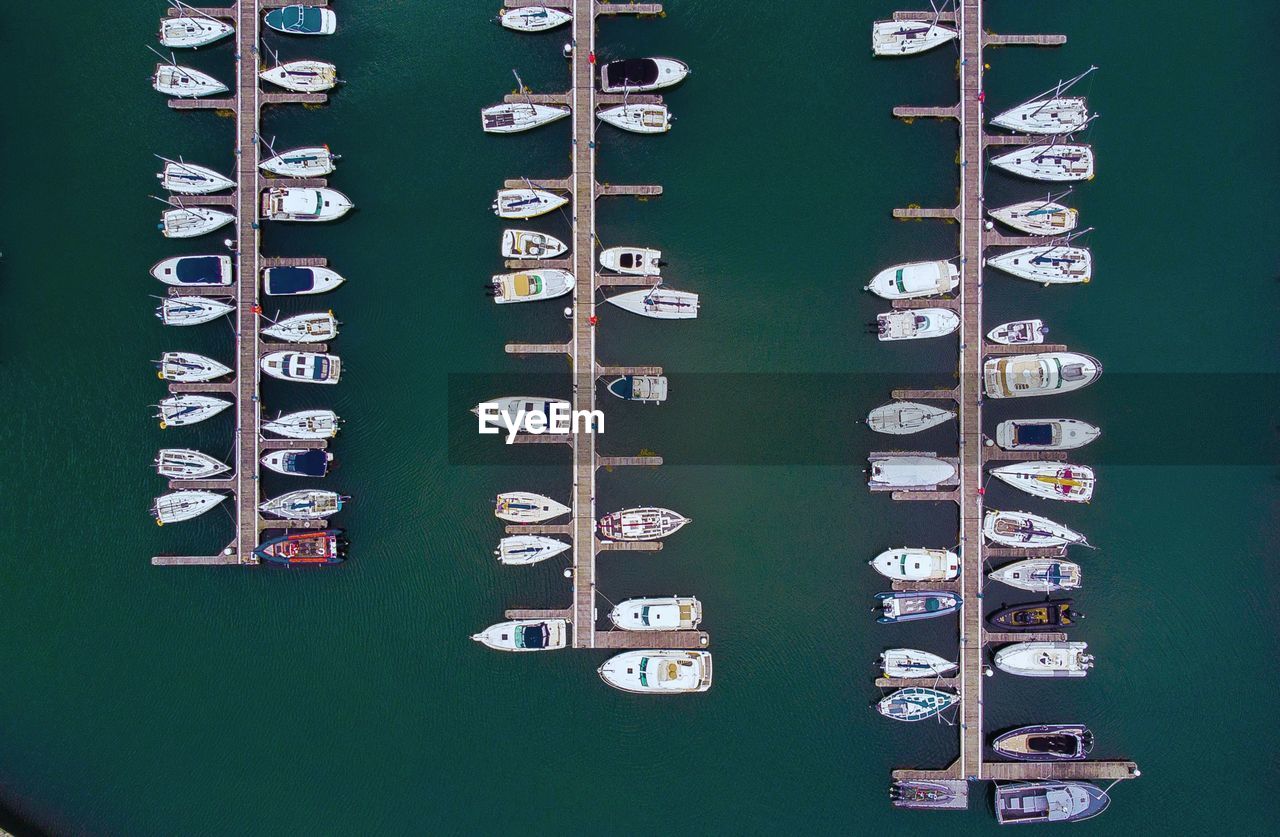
(532, 636)
(631, 72)
(200, 270)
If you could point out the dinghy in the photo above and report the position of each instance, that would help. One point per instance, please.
(900, 418)
(304, 328)
(1022, 529)
(514, 117)
(638, 119)
(528, 549)
(1037, 217)
(1032, 802)
(908, 37)
(303, 76)
(304, 504)
(295, 281)
(534, 18)
(525, 635)
(915, 703)
(1039, 575)
(909, 663)
(1048, 264)
(531, 285)
(184, 505)
(916, 794)
(668, 613)
(304, 549)
(1035, 616)
(1050, 373)
(1050, 480)
(309, 161)
(305, 367)
(1045, 742)
(191, 310)
(1061, 115)
(639, 388)
(915, 279)
(194, 270)
(908, 564)
(190, 179)
(526, 203)
(658, 672)
(189, 367)
(641, 524)
(1057, 162)
(178, 410)
(297, 204)
(1045, 659)
(911, 606)
(524, 507)
(906, 471)
(187, 464)
(302, 20)
(1018, 332)
(633, 261)
(518, 409)
(525, 244)
(916, 324)
(299, 463)
(306, 424)
(1045, 434)
(191, 222)
(660, 303)
(189, 32)
(637, 75)
(184, 82)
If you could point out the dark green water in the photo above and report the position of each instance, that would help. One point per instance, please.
(141, 700)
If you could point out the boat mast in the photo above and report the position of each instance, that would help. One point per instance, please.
(180, 6)
(1065, 241)
(1051, 199)
(520, 82)
(174, 203)
(182, 164)
(1057, 90)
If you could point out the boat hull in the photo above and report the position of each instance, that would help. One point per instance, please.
(915, 703)
(305, 424)
(303, 549)
(1035, 616)
(1047, 264)
(1039, 575)
(1031, 375)
(912, 606)
(310, 161)
(658, 672)
(525, 507)
(901, 418)
(301, 19)
(658, 303)
(893, 38)
(525, 244)
(1018, 333)
(187, 464)
(192, 32)
(640, 524)
(515, 117)
(638, 119)
(1032, 802)
(915, 280)
(305, 504)
(526, 203)
(193, 222)
(1045, 434)
(1021, 529)
(908, 564)
(908, 663)
(1048, 163)
(643, 388)
(303, 76)
(916, 324)
(1045, 742)
(1061, 115)
(194, 270)
(531, 285)
(298, 281)
(180, 410)
(1037, 217)
(671, 613)
(1049, 480)
(638, 75)
(183, 505)
(520, 635)
(185, 82)
(521, 550)
(534, 19)
(632, 261)
(1044, 659)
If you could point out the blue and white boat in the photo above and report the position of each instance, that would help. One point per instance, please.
(191, 310)
(915, 703)
(306, 504)
(177, 410)
(909, 606)
(639, 388)
(302, 20)
(194, 270)
(299, 463)
(294, 281)
(534, 18)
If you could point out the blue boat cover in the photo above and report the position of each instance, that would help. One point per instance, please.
(1035, 434)
(291, 280)
(307, 463)
(199, 270)
(301, 19)
(623, 387)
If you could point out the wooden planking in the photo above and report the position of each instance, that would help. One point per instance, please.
(530, 613)
(629, 99)
(652, 639)
(615, 371)
(539, 348)
(948, 683)
(618, 8)
(536, 98)
(912, 212)
(277, 261)
(942, 17)
(991, 453)
(910, 112)
(220, 560)
(616, 461)
(178, 387)
(538, 264)
(551, 4)
(1024, 40)
(1015, 140)
(539, 529)
(925, 395)
(265, 98)
(999, 637)
(628, 546)
(619, 280)
(561, 185)
(997, 349)
(908, 304)
(228, 484)
(1021, 771)
(293, 444)
(604, 190)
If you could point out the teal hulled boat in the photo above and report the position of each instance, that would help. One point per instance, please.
(302, 20)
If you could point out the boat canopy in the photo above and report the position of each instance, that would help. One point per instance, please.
(532, 636)
(308, 19)
(292, 280)
(200, 270)
(307, 463)
(632, 72)
(1035, 434)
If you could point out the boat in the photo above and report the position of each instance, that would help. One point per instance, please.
(1045, 434)
(305, 504)
(191, 222)
(526, 203)
(302, 20)
(516, 410)
(1039, 575)
(666, 613)
(308, 548)
(1018, 332)
(909, 663)
(190, 179)
(531, 285)
(514, 117)
(908, 471)
(305, 424)
(1022, 529)
(187, 464)
(524, 507)
(1031, 802)
(633, 261)
(915, 279)
(184, 82)
(637, 75)
(525, 635)
(916, 324)
(659, 303)
(178, 410)
(1044, 659)
(1059, 115)
(1035, 616)
(920, 794)
(194, 270)
(306, 76)
(1056, 162)
(640, 524)
(909, 564)
(658, 672)
(299, 463)
(910, 606)
(526, 244)
(1048, 264)
(1050, 373)
(299, 204)
(1051, 480)
(304, 328)
(190, 367)
(1045, 742)
(184, 505)
(528, 549)
(306, 367)
(294, 281)
(638, 119)
(191, 310)
(1037, 217)
(915, 703)
(191, 31)
(908, 37)
(308, 161)
(639, 388)
(900, 418)
(534, 18)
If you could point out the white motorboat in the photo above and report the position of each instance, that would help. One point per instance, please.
(191, 222)
(909, 471)
(194, 270)
(1018, 333)
(305, 367)
(528, 549)
(1051, 162)
(534, 18)
(638, 119)
(189, 32)
(187, 464)
(301, 19)
(525, 635)
(915, 279)
(666, 613)
(296, 281)
(514, 117)
(517, 410)
(1045, 659)
(916, 324)
(526, 244)
(637, 75)
(304, 504)
(1022, 529)
(313, 462)
(305, 424)
(633, 261)
(305, 328)
(1050, 373)
(900, 418)
(309, 161)
(189, 367)
(1039, 575)
(908, 37)
(648, 523)
(304, 204)
(658, 672)
(1048, 264)
(184, 505)
(191, 310)
(190, 179)
(306, 76)
(1059, 115)
(660, 303)
(910, 564)
(1050, 480)
(1045, 434)
(526, 507)
(526, 203)
(531, 285)
(1037, 217)
(909, 663)
(185, 82)
(639, 388)
(177, 410)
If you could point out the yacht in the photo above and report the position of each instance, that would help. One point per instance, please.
(916, 324)
(638, 75)
(304, 204)
(1026, 530)
(908, 564)
(305, 367)
(295, 281)
(915, 279)
(184, 82)
(518, 408)
(190, 179)
(1045, 434)
(659, 302)
(1059, 115)
(911, 606)
(1057, 162)
(1050, 373)
(638, 119)
(178, 410)
(1039, 575)
(643, 388)
(525, 635)
(1048, 264)
(303, 76)
(900, 418)
(304, 504)
(526, 244)
(908, 663)
(658, 672)
(309, 161)
(526, 203)
(908, 37)
(1045, 742)
(192, 222)
(184, 505)
(298, 463)
(302, 20)
(194, 270)
(667, 613)
(633, 261)
(528, 549)
(1018, 333)
(531, 285)
(189, 367)
(187, 464)
(1031, 802)
(191, 310)
(190, 31)
(640, 524)
(1037, 217)
(1050, 480)
(514, 117)
(526, 507)
(1045, 659)
(305, 424)
(534, 18)
(916, 703)
(304, 328)
(895, 470)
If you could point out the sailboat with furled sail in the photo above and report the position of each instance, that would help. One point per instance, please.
(1049, 112)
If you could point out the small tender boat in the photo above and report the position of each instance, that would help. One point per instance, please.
(194, 270)
(642, 524)
(900, 418)
(297, 549)
(187, 464)
(915, 279)
(191, 310)
(910, 663)
(526, 203)
(633, 261)
(1022, 529)
(907, 471)
(660, 303)
(525, 244)
(184, 505)
(190, 179)
(190, 367)
(306, 424)
(1045, 659)
(636, 75)
(1045, 434)
(303, 76)
(1045, 742)
(1018, 332)
(918, 794)
(302, 20)
(639, 388)
(1050, 373)
(297, 204)
(908, 37)
(1032, 802)
(667, 613)
(1039, 575)
(916, 324)
(515, 117)
(299, 463)
(1048, 264)
(304, 504)
(910, 606)
(909, 564)
(518, 408)
(184, 82)
(638, 119)
(1035, 616)
(294, 281)
(192, 31)
(191, 222)
(528, 549)
(534, 18)
(178, 410)
(306, 367)
(1037, 217)
(304, 328)
(309, 161)
(1059, 115)
(525, 635)
(1051, 480)
(915, 703)
(524, 507)
(657, 672)
(531, 285)
(1057, 162)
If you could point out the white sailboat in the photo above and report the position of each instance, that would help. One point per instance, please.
(658, 672)
(526, 507)
(305, 424)
(190, 179)
(525, 635)
(638, 119)
(666, 613)
(1049, 112)
(185, 82)
(1039, 575)
(914, 564)
(307, 76)
(184, 505)
(1046, 217)
(1048, 264)
(648, 523)
(304, 204)
(518, 409)
(534, 18)
(909, 663)
(1018, 333)
(308, 161)
(191, 310)
(528, 549)
(1050, 480)
(1054, 162)
(908, 37)
(191, 31)
(304, 504)
(1050, 373)
(633, 261)
(305, 328)
(192, 222)
(531, 285)
(526, 244)
(916, 324)
(915, 279)
(1045, 434)
(189, 367)
(178, 410)
(658, 302)
(900, 418)
(514, 117)
(895, 470)
(187, 464)
(304, 367)
(526, 203)
(1023, 529)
